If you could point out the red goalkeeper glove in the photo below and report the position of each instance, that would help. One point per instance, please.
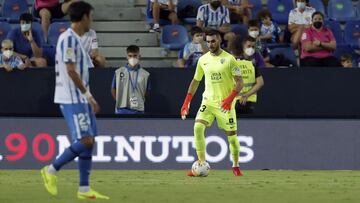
(185, 107)
(226, 103)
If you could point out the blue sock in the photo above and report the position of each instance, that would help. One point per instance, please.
(84, 165)
(69, 154)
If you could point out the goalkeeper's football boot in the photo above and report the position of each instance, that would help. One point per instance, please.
(91, 194)
(190, 173)
(236, 171)
(50, 181)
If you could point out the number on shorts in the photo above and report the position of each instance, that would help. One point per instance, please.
(202, 108)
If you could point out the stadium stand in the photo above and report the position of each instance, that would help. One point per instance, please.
(318, 5)
(174, 37)
(335, 27)
(4, 29)
(12, 9)
(280, 10)
(341, 10)
(55, 29)
(352, 33)
(257, 6)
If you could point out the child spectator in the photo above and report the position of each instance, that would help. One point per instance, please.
(269, 31)
(193, 50)
(8, 60)
(346, 61)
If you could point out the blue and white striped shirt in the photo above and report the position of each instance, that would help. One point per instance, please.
(69, 49)
(211, 18)
(14, 61)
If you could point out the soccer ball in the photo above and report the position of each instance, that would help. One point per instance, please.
(200, 169)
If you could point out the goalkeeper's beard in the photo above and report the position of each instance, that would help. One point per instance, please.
(214, 50)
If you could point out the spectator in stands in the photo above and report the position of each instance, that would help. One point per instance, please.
(90, 44)
(130, 85)
(252, 78)
(318, 44)
(50, 9)
(27, 42)
(195, 49)
(214, 15)
(247, 51)
(8, 60)
(240, 10)
(346, 61)
(261, 47)
(299, 19)
(164, 9)
(270, 32)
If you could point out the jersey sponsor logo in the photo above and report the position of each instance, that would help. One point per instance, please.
(216, 76)
(304, 36)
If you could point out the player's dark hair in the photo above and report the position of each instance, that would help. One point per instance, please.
(212, 32)
(132, 49)
(264, 14)
(317, 13)
(253, 23)
(195, 30)
(27, 17)
(78, 9)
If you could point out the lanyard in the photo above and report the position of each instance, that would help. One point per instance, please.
(133, 84)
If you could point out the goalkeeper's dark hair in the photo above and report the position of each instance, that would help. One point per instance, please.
(212, 32)
(132, 49)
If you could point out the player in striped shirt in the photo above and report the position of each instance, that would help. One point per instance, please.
(77, 104)
(214, 15)
(90, 43)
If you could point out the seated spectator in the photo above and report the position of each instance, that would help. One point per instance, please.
(318, 44)
(346, 61)
(50, 9)
(240, 10)
(90, 44)
(261, 47)
(27, 42)
(270, 32)
(299, 19)
(195, 49)
(248, 52)
(8, 60)
(130, 85)
(164, 9)
(214, 15)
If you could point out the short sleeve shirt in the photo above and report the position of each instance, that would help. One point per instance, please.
(304, 18)
(310, 35)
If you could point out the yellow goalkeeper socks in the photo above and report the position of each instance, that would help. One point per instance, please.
(234, 146)
(199, 134)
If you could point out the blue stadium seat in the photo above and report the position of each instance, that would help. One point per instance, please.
(12, 9)
(341, 10)
(174, 37)
(345, 49)
(257, 6)
(318, 5)
(335, 27)
(55, 30)
(239, 29)
(352, 33)
(182, 4)
(149, 17)
(4, 29)
(288, 52)
(280, 10)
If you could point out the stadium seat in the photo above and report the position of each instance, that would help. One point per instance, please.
(280, 10)
(352, 33)
(318, 5)
(239, 29)
(149, 17)
(12, 9)
(173, 37)
(55, 30)
(257, 6)
(288, 52)
(49, 54)
(188, 4)
(345, 49)
(4, 29)
(341, 10)
(335, 27)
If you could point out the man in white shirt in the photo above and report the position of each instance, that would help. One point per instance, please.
(299, 19)
(90, 43)
(164, 9)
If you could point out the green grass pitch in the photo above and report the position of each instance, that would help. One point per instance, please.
(173, 186)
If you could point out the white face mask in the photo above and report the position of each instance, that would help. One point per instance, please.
(249, 51)
(301, 5)
(254, 34)
(25, 27)
(133, 61)
(8, 53)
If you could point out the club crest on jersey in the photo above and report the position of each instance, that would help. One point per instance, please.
(222, 61)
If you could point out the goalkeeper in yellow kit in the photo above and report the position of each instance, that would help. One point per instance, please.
(222, 85)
